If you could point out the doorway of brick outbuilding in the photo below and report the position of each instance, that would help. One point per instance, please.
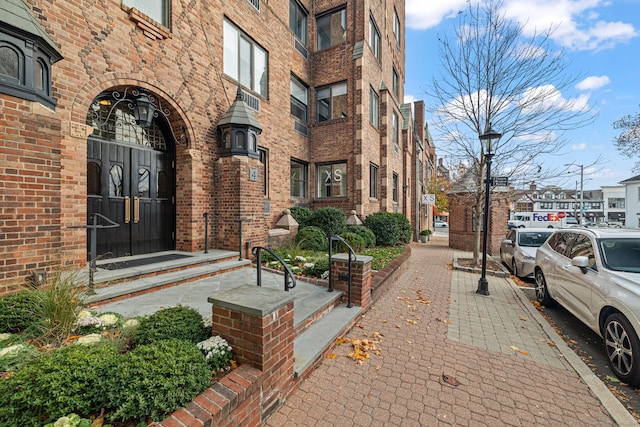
(130, 180)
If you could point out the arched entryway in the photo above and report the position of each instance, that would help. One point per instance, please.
(131, 174)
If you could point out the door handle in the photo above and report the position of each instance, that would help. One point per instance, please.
(127, 210)
(136, 209)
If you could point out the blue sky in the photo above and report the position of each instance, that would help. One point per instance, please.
(601, 41)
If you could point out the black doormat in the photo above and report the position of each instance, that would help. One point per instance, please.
(141, 261)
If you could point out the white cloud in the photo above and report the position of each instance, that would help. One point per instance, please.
(547, 97)
(593, 82)
(577, 24)
(579, 147)
(422, 15)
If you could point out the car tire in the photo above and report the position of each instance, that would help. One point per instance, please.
(521, 226)
(542, 292)
(514, 267)
(623, 348)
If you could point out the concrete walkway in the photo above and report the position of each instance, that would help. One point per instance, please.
(448, 356)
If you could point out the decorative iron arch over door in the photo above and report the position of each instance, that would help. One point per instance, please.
(130, 177)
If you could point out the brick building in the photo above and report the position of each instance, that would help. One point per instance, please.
(129, 111)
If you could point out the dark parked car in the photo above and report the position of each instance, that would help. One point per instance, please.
(595, 274)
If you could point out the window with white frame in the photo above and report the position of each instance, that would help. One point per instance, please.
(394, 187)
(298, 21)
(373, 181)
(374, 103)
(299, 172)
(546, 205)
(244, 60)
(394, 131)
(616, 203)
(374, 38)
(157, 10)
(299, 99)
(331, 180)
(331, 102)
(331, 29)
(397, 30)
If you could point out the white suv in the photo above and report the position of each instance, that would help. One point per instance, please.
(595, 274)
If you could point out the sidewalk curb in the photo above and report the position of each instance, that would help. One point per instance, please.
(613, 406)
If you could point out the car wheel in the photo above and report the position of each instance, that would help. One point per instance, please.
(521, 226)
(514, 268)
(542, 292)
(623, 348)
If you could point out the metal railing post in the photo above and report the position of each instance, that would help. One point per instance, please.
(206, 232)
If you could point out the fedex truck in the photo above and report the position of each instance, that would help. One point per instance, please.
(541, 220)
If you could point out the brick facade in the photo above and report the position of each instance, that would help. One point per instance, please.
(106, 46)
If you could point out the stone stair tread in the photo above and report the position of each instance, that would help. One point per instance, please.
(309, 346)
(145, 283)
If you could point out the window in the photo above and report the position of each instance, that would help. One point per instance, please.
(616, 203)
(394, 131)
(244, 60)
(298, 179)
(373, 181)
(583, 247)
(420, 172)
(299, 99)
(394, 186)
(546, 205)
(396, 83)
(298, 21)
(264, 159)
(157, 10)
(331, 180)
(563, 205)
(374, 38)
(331, 102)
(25, 67)
(374, 102)
(332, 29)
(396, 28)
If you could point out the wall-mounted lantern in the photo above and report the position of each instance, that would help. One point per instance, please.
(238, 130)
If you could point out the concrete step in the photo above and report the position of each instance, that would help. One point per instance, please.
(310, 346)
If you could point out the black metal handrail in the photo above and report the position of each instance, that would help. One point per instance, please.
(332, 239)
(93, 243)
(206, 230)
(289, 279)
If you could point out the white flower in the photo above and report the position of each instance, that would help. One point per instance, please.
(11, 349)
(85, 313)
(63, 422)
(89, 339)
(325, 275)
(108, 319)
(300, 258)
(88, 321)
(4, 337)
(130, 323)
(308, 265)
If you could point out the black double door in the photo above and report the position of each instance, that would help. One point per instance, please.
(133, 186)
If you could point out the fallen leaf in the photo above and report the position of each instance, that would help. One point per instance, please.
(523, 318)
(612, 379)
(450, 380)
(332, 356)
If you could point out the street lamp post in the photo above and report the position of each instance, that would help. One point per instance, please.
(581, 221)
(487, 137)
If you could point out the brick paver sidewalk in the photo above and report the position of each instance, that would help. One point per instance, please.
(423, 349)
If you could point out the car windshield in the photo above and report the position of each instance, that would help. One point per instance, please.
(533, 239)
(621, 254)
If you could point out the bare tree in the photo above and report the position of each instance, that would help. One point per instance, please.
(493, 76)
(628, 142)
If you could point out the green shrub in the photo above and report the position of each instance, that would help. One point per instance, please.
(320, 265)
(16, 311)
(354, 240)
(330, 220)
(71, 379)
(301, 215)
(312, 238)
(181, 323)
(364, 232)
(385, 226)
(404, 226)
(156, 379)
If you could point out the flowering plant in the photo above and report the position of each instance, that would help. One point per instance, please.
(217, 351)
(90, 321)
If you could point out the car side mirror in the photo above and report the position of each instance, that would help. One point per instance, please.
(582, 262)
